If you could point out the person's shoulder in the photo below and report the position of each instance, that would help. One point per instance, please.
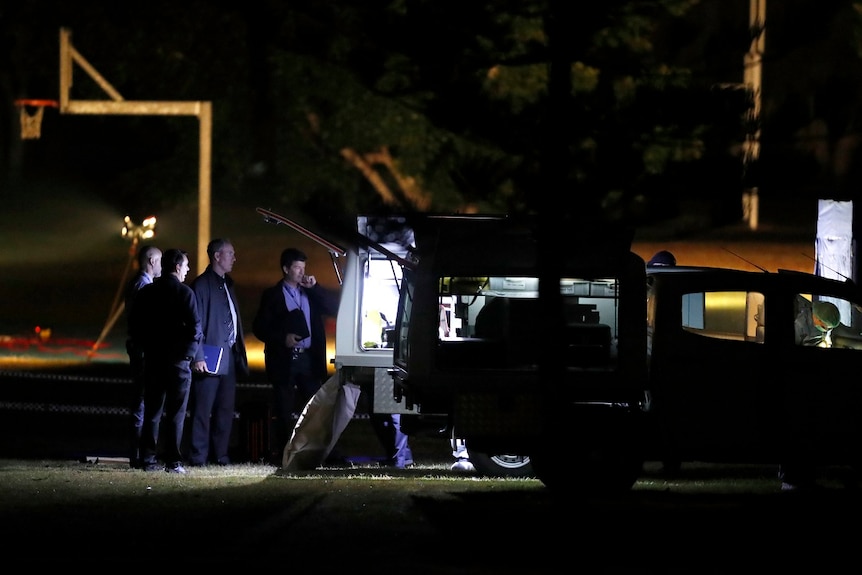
(144, 294)
(137, 281)
(185, 289)
(324, 290)
(206, 277)
(199, 284)
(272, 290)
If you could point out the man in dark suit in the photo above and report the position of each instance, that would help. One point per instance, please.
(213, 396)
(295, 361)
(164, 323)
(149, 268)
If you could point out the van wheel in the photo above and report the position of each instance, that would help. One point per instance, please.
(501, 465)
(590, 474)
(601, 452)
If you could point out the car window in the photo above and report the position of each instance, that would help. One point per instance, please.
(838, 327)
(734, 315)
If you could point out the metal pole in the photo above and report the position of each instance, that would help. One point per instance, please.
(753, 72)
(204, 190)
(117, 105)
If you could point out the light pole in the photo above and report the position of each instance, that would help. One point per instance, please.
(753, 82)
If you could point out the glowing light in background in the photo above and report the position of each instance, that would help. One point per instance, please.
(134, 232)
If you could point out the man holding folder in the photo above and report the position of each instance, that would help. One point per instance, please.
(213, 396)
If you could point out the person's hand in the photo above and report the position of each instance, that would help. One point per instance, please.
(293, 340)
(308, 281)
(199, 366)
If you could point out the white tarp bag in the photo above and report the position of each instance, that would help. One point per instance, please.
(321, 423)
(835, 247)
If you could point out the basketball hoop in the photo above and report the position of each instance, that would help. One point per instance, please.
(31, 112)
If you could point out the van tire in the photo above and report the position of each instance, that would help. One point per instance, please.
(603, 454)
(501, 465)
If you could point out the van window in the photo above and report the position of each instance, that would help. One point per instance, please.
(735, 315)
(499, 320)
(381, 281)
(846, 335)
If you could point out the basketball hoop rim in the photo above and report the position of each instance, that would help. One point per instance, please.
(35, 103)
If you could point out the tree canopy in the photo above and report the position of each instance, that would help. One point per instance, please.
(431, 105)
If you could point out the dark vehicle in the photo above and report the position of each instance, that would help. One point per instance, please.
(558, 380)
(728, 380)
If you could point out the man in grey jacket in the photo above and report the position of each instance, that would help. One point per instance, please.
(213, 396)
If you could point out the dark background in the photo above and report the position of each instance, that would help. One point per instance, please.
(460, 96)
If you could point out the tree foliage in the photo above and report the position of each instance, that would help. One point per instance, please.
(441, 104)
(399, 104)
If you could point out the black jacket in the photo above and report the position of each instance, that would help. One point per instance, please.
(271, 327)
(164, 321)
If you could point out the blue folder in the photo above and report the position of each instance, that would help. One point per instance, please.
(212, 357)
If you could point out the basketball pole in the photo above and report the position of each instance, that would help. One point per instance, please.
(117, 105)
(119, 305)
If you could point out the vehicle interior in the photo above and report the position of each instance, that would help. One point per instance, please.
(497, 322)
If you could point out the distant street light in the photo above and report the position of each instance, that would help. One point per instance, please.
(135, 233)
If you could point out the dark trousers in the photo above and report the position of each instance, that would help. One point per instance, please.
(387, 427)
(213, 403)
(166, 392)
(136, 401)
(290, 395)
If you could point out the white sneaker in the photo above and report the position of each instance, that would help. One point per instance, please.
(464, 466)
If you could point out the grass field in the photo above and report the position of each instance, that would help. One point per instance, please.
(709, 519)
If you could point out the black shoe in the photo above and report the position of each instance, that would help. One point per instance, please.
(394, 462)
(153, 466)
